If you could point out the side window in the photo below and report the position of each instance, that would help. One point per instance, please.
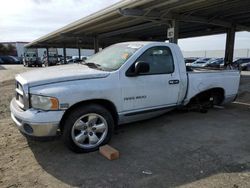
(160, 60)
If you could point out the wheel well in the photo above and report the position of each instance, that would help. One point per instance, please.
(105, 103)
(217, 93)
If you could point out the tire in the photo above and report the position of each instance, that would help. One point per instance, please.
(217, 98)
(86, 128)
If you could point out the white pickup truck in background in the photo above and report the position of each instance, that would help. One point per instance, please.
(123, 83)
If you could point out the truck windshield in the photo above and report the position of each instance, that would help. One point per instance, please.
(113, 57)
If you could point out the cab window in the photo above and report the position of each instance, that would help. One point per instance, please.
(160, 60)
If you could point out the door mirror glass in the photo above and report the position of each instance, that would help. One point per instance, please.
(141, 67)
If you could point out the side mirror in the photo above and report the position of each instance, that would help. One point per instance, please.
(141, 67)
(138, 68)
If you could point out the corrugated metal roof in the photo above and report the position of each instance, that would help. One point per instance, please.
(149, 20)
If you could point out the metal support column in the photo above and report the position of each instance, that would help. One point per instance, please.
(96, 44)
(47, 51)
(47, 55)
(173, 32)
(64, 54)
(79, 53)
(229, 52)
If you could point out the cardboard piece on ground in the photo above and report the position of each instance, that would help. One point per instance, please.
(109, 152)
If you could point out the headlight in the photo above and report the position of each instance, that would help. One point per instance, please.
(44, 103)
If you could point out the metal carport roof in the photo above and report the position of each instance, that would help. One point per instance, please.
(148, 20)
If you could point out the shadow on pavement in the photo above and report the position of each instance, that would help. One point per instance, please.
(178, 148)
(2, 68)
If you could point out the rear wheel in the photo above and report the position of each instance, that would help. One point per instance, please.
(205, 100)
(88, 127)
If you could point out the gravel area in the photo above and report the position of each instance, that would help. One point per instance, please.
(178, 149)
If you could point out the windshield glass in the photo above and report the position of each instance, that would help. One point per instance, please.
(113, 57)
(30, 54)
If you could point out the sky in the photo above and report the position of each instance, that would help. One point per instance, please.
(27, 20)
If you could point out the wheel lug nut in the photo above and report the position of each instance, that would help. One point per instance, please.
(90, 133)
(85, 133)
(85, 127)
(93, 128)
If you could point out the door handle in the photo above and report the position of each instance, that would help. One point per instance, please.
(174, 81)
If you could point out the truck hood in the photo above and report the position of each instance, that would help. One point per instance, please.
(61, 73)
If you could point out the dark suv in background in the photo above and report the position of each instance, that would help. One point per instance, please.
(240, 61)
(7, 59)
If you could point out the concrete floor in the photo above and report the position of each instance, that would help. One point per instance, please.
(178, 149)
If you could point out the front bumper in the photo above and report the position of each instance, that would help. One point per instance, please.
(34, 63)
(36, 123)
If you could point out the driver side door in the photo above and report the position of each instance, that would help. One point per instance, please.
(155, 89)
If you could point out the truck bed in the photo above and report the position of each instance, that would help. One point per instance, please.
(200, 80)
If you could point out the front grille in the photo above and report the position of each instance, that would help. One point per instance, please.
(19, 95)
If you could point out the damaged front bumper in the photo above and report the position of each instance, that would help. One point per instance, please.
(36, 123)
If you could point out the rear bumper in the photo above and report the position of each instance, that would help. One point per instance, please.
(36, 123)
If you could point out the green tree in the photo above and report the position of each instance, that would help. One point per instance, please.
(7, 50)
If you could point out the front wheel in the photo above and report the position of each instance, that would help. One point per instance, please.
(87, 128)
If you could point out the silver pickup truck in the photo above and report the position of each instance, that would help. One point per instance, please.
(123, 83)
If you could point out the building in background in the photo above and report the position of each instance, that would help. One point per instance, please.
(12, 48)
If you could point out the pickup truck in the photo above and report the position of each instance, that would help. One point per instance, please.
(123, 83)
(30, 57)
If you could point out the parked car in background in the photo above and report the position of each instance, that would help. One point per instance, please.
(30, 58)
(238, 61)
(190, 59)
(9, 60)
(245, 66)
(199, 62)
(215, 63)
(74, 59)
(84, 58)
(1, 61)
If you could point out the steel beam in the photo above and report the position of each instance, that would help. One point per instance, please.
(229, 52)
(175, 25)
(79, 53)
(153, 15)
(64, 54)
(129, 29)
(96, 44)
(47, 52)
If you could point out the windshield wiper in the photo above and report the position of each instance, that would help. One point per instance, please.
(92, 65)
